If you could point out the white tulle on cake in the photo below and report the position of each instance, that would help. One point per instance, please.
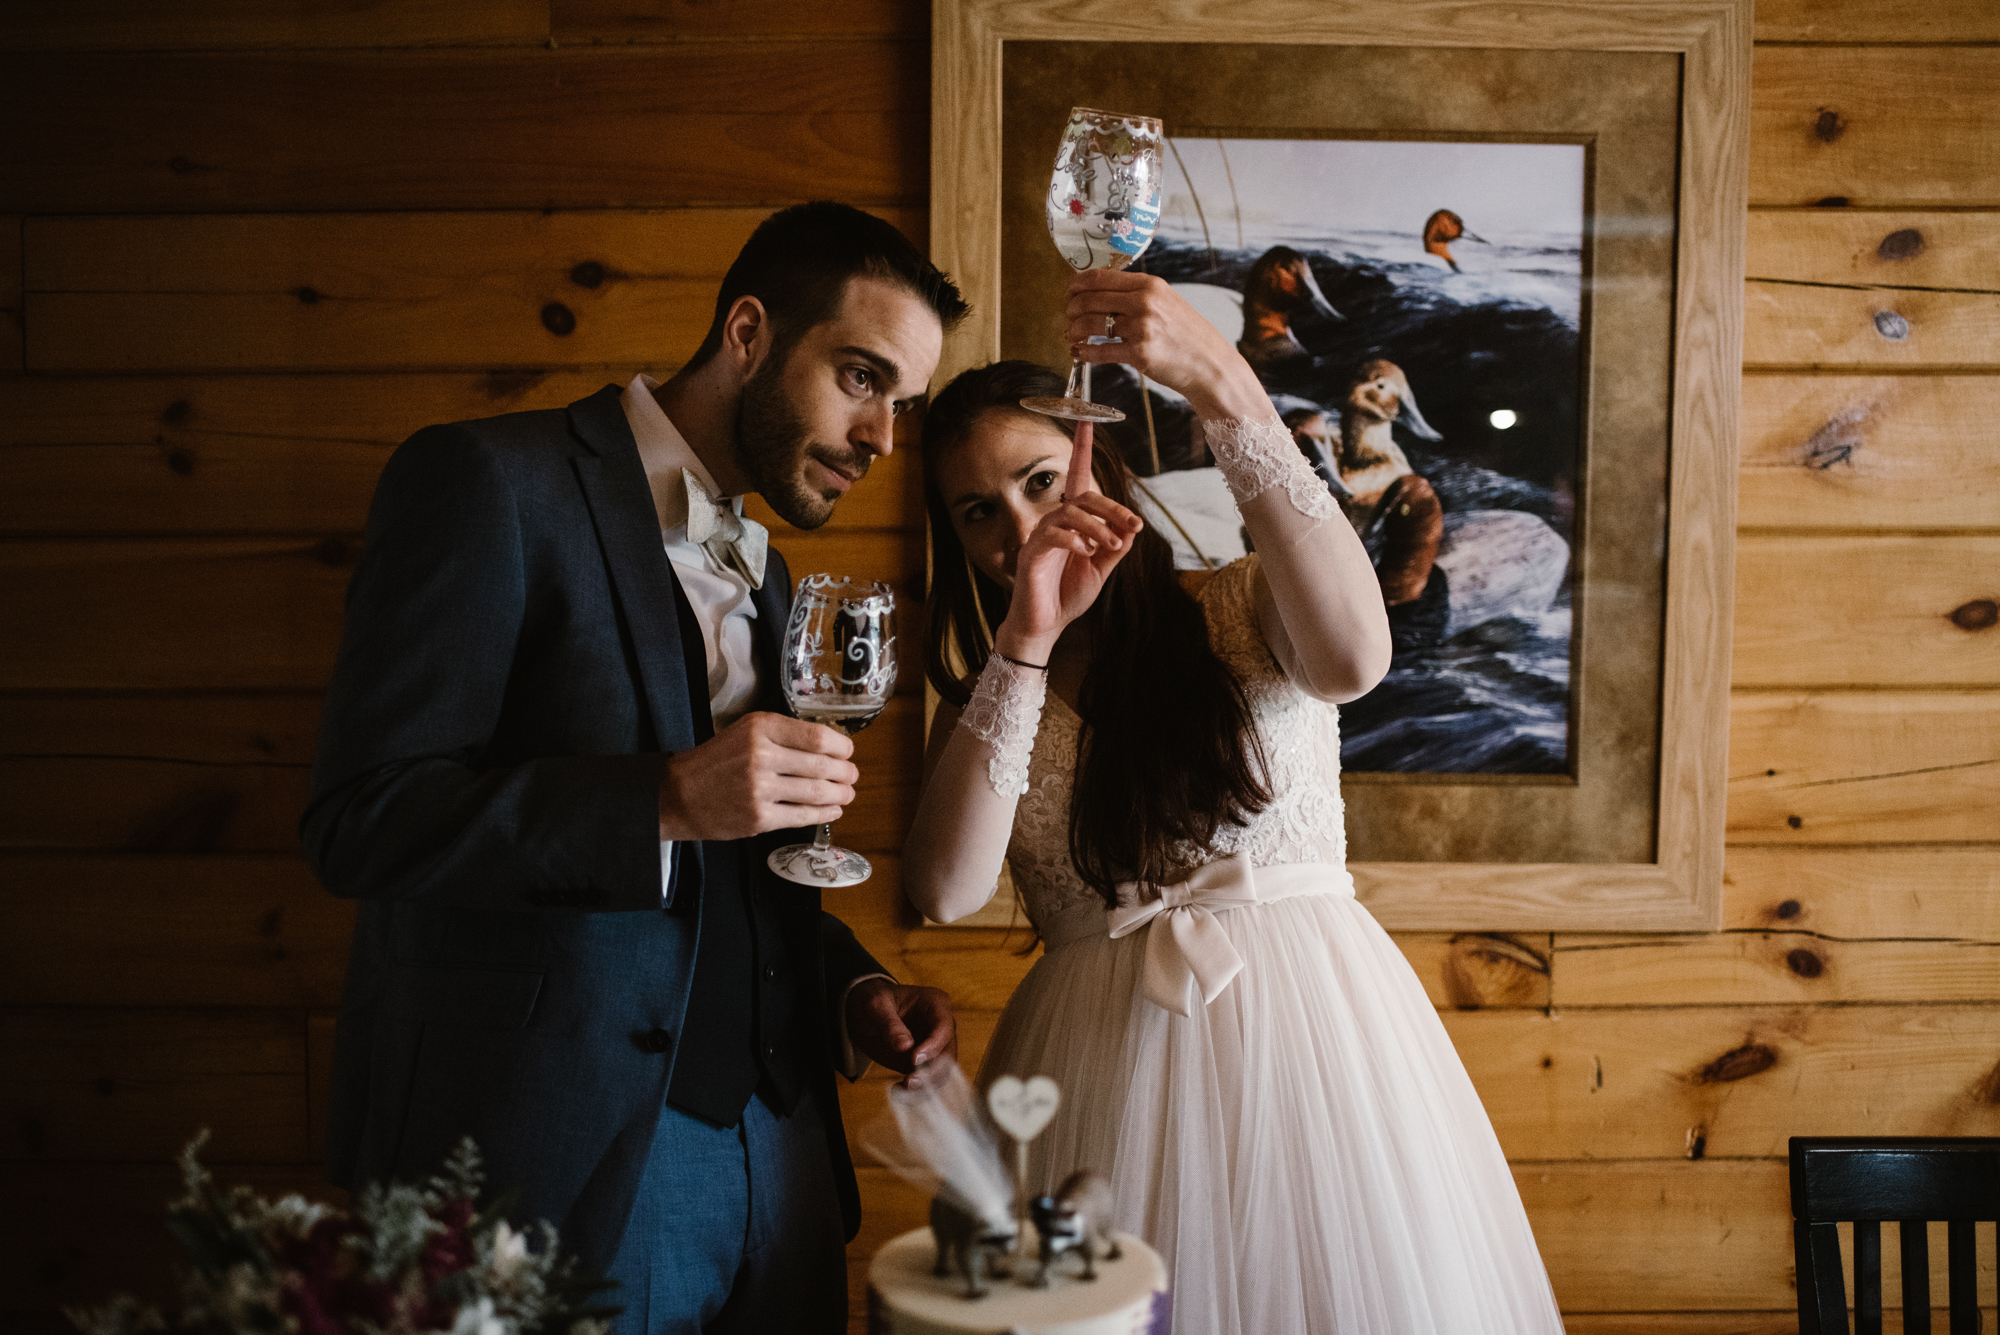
(1307, 1151)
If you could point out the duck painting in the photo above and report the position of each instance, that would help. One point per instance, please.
(1280, 291)
(1441, 229)
(1350, 272)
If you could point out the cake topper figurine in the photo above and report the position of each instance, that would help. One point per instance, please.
(941, 1142)
(1076, 1219)
(1023, 1109)
(975, 1246)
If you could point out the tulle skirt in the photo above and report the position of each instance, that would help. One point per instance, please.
(1307, 1152)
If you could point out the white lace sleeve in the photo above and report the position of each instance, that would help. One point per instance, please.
(1258, 454)
(1005, 712)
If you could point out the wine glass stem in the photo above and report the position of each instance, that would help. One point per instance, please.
(1079, 380)
(824, 839)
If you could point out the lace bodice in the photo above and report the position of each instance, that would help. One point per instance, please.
(1301, 739)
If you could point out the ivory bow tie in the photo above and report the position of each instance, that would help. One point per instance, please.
(742, 544)
(1186, 948)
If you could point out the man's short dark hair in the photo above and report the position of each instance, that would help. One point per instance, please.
(798, 263)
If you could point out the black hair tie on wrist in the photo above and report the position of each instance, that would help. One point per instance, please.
(1039, 667)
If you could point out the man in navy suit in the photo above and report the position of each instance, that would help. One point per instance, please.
(553, 760)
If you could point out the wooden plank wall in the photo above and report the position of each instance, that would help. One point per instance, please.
(246, 249)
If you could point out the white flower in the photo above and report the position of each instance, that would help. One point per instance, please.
(510, 1253)
(295, 1214)
(479, 1320)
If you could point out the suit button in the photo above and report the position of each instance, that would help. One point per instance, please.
(770, 971)
(657, 1040)
(770, 1049)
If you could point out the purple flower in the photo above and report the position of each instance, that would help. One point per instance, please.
(451, 1251)
(323, 1288)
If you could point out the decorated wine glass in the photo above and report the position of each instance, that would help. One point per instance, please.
(1104, 202)
(839, 666)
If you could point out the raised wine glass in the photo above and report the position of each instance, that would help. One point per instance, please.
(839, 665)
(1104, 202)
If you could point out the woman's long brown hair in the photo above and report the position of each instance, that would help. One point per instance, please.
(1168, 755)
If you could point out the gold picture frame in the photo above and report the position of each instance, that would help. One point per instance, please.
(1679, 887)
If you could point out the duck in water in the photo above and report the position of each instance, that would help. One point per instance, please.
(1441, 229)
(1395, 510)
(1280, 290)
(1440, 572)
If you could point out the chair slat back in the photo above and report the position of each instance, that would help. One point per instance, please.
(1916, 1278)
(1865, 1180)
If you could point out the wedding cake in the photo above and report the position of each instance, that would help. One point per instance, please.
(1129, 1296)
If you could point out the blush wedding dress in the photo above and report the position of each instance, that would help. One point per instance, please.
(1246, 1055)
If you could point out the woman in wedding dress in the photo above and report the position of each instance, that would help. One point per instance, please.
(1241, 1048)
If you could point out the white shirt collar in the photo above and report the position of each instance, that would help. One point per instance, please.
(665, 452)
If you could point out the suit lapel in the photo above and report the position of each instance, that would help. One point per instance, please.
(774, 607)
(628, 530)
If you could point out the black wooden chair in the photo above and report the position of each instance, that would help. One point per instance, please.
(1865, 1180)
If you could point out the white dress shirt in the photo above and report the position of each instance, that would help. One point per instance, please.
(720, 596)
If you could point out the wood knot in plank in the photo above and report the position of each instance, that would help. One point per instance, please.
(272, 923)
(1906, 244)
(1831, 202)
(1836, 440)
(558, 319)
(1789, 909)
(1988, 1089)
(181, 461)
(106, 1087)
(1979, 614)
(1829, 125)
(181, 166)
(194, 826)
(1487, 970)
(587, 274)
(503, 386)
(308, 296)
(1697, 1142)
(1796, 822)
(1738, 1064)
(332, 551)
(1804, 963)
(176, 413)
(1891, 326)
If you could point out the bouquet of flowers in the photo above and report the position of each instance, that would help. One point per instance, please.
(402, 1260)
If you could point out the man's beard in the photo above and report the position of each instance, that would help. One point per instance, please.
(772, 445)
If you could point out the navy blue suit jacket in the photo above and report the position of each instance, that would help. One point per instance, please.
(487, 785)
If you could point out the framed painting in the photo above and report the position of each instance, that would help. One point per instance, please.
(1488, 263)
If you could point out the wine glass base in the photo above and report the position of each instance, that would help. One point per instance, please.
(828, 868)
(1076, 410)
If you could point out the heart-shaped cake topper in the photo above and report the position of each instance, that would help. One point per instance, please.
(1023, 1108)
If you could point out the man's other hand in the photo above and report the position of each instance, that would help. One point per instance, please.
(904, 1028)
(762, 772)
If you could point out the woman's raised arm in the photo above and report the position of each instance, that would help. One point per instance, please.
(974, 774)
(1318, 602)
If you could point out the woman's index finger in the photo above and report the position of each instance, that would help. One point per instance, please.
(1080, 482)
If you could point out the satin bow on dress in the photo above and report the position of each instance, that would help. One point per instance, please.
(1188, 953)
(743, 545)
